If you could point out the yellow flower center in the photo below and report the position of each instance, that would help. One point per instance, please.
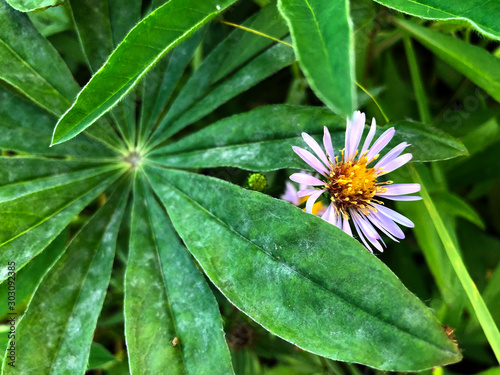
(353, 184)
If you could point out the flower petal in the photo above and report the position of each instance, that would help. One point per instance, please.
(402, 197)
(346, 227)
(385, 224)
(312, 199)
(396, 163)
(326, 214)
(400, 189)
(391, 155)
(380, 143)
(306, 179)
(369, 137)
(306, 192)
(358, 125)
(396, 216)
(360, 234)
(315, 147)
(290, 194)
(327, 142)
(310, 159)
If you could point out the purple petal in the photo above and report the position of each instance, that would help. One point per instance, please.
(310, 159)
(326, 214)
(391, 155)
(306, 192)
(386, 225)
(315, 147)
(369, 137)
(290, 194)
(380, 143)
(396, 163)
(306, 179)
(327, 142)
(402, 197)
(346, 227)
(312, 199)
(400, 189)
(360, 234)
(396, 216)
(358, 125)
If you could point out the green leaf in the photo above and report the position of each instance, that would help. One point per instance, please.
(42, 209)
(197, 96)
(455, 206)
(51, 21)
(26, 128)
(167, 299)
(64, 310)
(261, 67)
(32, 5)
(474, 62)
(142, 48)
(241, 141)
(480, 14)
(99, 356)
(323, 42)
(38, 72)
(32, 274)
(300, 277)
(481, 310)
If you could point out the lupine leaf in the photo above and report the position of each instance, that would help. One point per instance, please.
(144, 45)
(480, 14)
(322, 37)
(159, 269)
(300, 277)
(474, 62)
(63, 312)
(39, 72)
(32, 5)
(39, 212)
(262, 140)
(234, 51)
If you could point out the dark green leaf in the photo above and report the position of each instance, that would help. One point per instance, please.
(63, 312)
(167, 301)
(300, 277)
(32, 65)
(31, 5)
(262, 140)
(481, 15)
(235, 51)
(99, 356)
(144, 45)
(323, 41)
(42, 209)
(26, 128)
(474, 62)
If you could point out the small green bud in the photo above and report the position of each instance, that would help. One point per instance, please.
(257, 182)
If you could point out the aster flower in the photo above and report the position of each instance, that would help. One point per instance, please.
(350, 180)
(290, 195)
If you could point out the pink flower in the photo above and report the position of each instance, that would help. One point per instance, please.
(352, 185)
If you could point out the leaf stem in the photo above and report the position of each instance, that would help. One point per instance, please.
(483, 314)
(376, 103)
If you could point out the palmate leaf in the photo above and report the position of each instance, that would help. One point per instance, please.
(300, 277)
(34, 212)
(474, 62)
(323, 41)
(236, 51)
(144, 45)
(63, 312)
(262, 140)
(39, 73)
(172, 322)
(481, 15)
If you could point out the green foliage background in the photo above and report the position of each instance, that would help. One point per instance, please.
(139, 247)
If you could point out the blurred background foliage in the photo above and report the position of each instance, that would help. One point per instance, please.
(409, 80)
